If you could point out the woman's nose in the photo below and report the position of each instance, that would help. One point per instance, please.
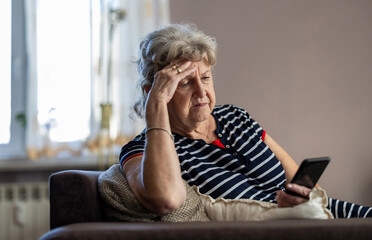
(199, 88)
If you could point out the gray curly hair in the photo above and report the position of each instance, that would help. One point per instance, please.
(175, 41)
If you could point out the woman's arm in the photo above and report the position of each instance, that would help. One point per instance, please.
(155, 178)
(289, 165)
(290, 168)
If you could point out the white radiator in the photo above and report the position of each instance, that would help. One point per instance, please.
(24, 210)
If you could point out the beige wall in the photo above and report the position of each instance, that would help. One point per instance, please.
(303, 70)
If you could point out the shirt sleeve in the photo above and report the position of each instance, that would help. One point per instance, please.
(132, 149)
(263, 135)
(253, 124)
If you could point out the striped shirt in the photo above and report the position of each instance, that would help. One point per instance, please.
(238, 165)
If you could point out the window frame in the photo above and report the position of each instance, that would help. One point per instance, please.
(16, 146)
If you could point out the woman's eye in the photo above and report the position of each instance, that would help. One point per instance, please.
(206, 78)
(184, 84)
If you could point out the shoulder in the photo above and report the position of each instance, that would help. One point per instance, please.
(137, 141)
(133, 148)
(229, 110)
(235, 116)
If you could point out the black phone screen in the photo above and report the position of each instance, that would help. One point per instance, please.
(310, 171)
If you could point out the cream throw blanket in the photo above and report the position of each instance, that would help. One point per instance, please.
(120, 204)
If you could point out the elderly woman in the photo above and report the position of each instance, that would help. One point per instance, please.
(219, 149)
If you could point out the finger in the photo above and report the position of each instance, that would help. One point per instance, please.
(281, 201)
(288, 200)
(301, 190)
(172, 74)
(184, 72)
(179, 66)
(169, 68)
(166, 81)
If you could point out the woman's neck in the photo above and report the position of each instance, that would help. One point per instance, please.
(202, 130)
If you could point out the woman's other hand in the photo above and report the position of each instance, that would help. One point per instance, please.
(287, 200)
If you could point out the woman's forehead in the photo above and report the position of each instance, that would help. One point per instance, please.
(203, 65)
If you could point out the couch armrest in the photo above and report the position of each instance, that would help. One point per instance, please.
(74, 197)
(338, 229)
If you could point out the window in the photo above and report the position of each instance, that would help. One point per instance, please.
(61, 92)
(63, 65)
(60, 62)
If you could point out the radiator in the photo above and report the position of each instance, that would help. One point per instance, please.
(24, 210)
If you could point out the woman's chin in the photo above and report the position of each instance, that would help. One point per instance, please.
(201, 115)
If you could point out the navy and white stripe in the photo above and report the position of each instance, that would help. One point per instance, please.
(245, 168)
(342, 209)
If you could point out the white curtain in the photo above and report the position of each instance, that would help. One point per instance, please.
(34, 141)
(117, 28)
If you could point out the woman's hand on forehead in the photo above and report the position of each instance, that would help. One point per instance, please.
(166, 80)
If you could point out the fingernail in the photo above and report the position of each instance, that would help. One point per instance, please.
(289, 185)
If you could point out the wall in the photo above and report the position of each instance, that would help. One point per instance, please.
(303, 69)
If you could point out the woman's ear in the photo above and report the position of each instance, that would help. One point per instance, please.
(147, 88)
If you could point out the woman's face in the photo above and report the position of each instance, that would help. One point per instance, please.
(194, 98)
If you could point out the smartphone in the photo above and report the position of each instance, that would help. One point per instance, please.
(309, 172)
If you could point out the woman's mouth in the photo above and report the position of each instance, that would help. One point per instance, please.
(198, 105)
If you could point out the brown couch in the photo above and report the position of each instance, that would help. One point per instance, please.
(75, 213)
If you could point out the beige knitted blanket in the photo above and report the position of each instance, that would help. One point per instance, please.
(120, 204)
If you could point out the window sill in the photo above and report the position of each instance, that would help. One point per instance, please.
(53, 164)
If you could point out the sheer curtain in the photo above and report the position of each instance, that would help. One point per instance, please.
(116, 28)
